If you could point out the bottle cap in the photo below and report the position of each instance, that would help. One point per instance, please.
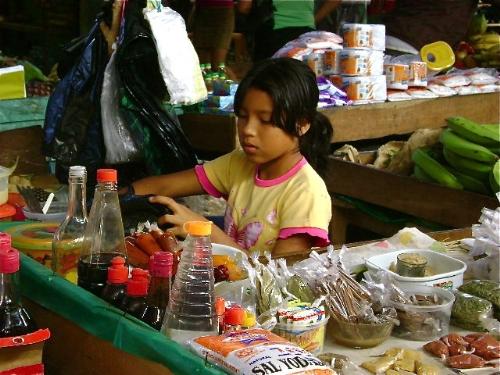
(137, 287)
(139, 273)
(77, 171)
(249, 320)
(5, 241)
(107, 175)
(160, 264)
(118, 272)
(9, 257)
(198, 228)
(235, 316)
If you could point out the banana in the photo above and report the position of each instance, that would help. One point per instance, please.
(495, 178)
(435, 170)
(471, 131)
(470, 167)
(420, 175)
(495, 150)
(470, 183)
(465, 148)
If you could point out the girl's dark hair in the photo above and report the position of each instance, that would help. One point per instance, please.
(291, 84)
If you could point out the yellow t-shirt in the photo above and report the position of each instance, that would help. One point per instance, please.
(261, 211)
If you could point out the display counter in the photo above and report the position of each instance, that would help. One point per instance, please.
(217, 133)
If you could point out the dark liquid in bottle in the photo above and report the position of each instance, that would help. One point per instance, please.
(94, 275)
(15, 321)
(153, 316)
(135, 306)
(114, 294)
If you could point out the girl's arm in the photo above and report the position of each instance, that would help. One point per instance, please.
(179, 184)
(296, 244)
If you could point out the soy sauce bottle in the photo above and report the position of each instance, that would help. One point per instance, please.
(14, 318)
(134, 302)
(114, 291)
(160, 266)
(104, 236)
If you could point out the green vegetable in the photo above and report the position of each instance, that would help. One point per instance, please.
(469, 311)
(487, 289)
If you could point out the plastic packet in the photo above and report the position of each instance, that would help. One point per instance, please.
(295, 284)
(487, 289)
(469, 312)
(268, 292)
(255, 351)
(397, 95)
(451, 80)
(178, 60)
(441, 90)
(489, 88)
(120, 145)
(468, 90)
(421, 93)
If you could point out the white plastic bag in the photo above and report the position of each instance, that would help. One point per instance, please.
(120, 146)
(178, 60)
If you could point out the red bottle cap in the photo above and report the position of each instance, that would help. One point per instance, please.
(5, 241)
(160, 264)
(139, 273)
(118, 272)
(235, 316)
(107, 175)
(9, 257)
(137, 287)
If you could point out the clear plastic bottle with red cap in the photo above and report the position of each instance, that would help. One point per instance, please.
(14, 318)
(134, 302)
(68, 239)
(191, 309)
(104, 235)
(115, 289)
(160, 267)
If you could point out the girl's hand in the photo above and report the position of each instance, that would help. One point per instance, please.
(181, 214)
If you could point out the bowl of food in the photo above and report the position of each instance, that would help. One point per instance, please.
(359, 335)
(227, 262)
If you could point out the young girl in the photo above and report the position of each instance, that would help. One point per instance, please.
(275, 199)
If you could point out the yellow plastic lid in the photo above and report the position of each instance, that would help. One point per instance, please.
(438, 55)
(198, 228)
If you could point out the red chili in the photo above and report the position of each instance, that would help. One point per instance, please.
(147, 243)
(465, 361)
(136, 256)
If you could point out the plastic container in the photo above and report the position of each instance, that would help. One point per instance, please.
(310, 338)
(397, 76)
(362, 90)
(160, 267)
(134, 302)
(438, 56)
(358, 62)
(68, 239)
(191, 309)
(115, 289)
(411, 265)
(424, 323)
(448, 272)
(357, 35)
(359, 335)
(56, 213)
(104, 234)
(4, 182)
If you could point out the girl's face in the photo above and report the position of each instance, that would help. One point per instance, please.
(264, 143)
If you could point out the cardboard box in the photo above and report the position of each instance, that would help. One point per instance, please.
(12, 84)
(436, 203)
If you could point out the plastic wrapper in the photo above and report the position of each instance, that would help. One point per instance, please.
(178, 60)
(451, 80)
(268, 292)
(471, 312)
(323, 35)
(421, 93)
(397, 96)
(120, 145)
(489, 290)
(441, 90)
(295, 284)
(340, 363)
(468, 90)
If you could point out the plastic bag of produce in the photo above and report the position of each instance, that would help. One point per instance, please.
(487, 289)
(178, 60)
(120, 146)
(256, 351)
(471, 312)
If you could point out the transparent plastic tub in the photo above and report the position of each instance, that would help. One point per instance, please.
(424, 323)
(359, 335)
(310, 338)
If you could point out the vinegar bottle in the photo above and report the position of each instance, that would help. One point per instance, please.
(14, 319)
(67, 242)
(104, 235)
(160, 267)
(114, 291)
(191, 308)
(134, 302)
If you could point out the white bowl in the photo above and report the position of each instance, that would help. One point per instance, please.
(449, 272)
(218, 249)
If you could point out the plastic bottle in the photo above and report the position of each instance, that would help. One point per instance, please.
(191, 308)
(134, 302)
(68, 239)
(104, 236)
(14, 319)
(160, 267)
(114, 291)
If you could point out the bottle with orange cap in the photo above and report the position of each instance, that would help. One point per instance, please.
(14, 318)
(191, 309)
(114, 291)
(104, 236)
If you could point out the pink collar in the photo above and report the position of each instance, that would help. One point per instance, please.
(278, 180)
